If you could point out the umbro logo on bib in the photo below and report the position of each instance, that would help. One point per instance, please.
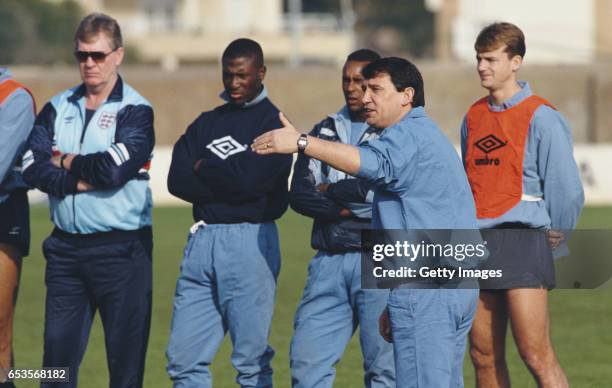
(489, 143)
(106, 120)
(225, 147)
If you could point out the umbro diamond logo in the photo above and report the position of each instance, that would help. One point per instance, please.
(225, 147)
(489, 143)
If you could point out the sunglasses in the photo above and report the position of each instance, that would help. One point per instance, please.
(97, 56)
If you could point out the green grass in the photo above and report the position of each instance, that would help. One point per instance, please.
(580, 318)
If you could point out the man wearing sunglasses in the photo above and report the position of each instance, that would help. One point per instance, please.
(90, 150)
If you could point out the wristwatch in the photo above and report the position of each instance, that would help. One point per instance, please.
(302, 143)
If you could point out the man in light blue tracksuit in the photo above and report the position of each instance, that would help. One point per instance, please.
(334, 304)
(90, 151)
(419, 184)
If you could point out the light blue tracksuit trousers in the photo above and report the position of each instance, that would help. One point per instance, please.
(227, 283)
(429, 329)
(332, 307)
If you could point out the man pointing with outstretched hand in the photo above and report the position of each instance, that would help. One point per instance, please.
(288, 140)
(419, 183)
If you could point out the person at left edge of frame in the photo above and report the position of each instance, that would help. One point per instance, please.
(17, 113)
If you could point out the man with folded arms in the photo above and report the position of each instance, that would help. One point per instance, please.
(90, 151)
(334, 304)
(232, 259)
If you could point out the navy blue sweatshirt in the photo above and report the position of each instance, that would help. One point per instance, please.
(232, 184)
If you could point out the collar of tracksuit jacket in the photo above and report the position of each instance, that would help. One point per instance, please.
(342, 126)
(5, 74)
(342, 122)
(263, 94)
(115, 95)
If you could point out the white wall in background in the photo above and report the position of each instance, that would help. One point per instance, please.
(594, 162)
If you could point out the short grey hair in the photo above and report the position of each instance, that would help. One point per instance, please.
(95, 23)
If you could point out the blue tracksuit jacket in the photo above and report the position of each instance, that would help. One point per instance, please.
(114, 153)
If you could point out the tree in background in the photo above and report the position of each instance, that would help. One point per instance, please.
(389, 26)
(394, 26)
(37, 31)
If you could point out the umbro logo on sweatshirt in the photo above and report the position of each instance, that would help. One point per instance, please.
(225, 147)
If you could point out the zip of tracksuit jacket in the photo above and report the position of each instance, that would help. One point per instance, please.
(233, 184)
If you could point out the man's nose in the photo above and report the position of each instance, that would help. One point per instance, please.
(366, 97)
(481, 65)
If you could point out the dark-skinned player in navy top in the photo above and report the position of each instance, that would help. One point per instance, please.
(232, 259)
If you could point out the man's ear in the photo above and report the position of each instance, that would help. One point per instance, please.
(516, 63)
(261, 74)
(408, 96)
(120, 54)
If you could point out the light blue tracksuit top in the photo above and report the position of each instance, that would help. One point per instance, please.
(420, 182)
(549, 170)
(111, 153)
(344, 129)
(16, 120)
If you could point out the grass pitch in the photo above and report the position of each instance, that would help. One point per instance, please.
(580, 318)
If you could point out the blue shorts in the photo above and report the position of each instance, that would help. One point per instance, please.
(15, 221)
(523, 256)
